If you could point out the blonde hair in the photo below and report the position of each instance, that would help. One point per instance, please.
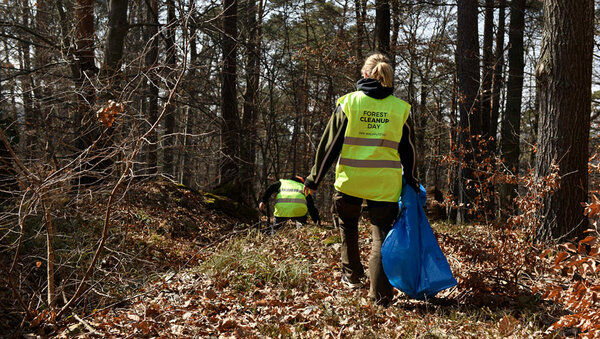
(376, 67)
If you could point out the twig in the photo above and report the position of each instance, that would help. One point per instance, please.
(50, 252)
(87, 325)
(125, 173)
(29, 315)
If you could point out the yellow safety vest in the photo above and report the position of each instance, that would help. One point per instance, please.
(290, 201)
(369, 166)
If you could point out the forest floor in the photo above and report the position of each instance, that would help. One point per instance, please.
(195, 271)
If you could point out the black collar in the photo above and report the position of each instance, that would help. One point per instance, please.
(373, 88)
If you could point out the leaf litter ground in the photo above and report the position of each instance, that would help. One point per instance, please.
(220, 278)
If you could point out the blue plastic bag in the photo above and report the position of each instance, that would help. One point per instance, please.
(411, 256)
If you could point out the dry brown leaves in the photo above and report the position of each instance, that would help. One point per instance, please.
(502, 279)
(107, 114)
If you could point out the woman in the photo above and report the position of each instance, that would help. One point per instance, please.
(369, 135)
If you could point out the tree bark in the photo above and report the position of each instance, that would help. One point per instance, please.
(382, 26)
(488, 65)
(115, 37)
(171, 62)
(396, 21)
(564, 73)
(482, 149)
(511, 119)
(86, 69)
(41, 59)
(27, 82)
(151, 62)
(359, 36)
(253, 52)
(498, 76)
(229, 126)
(467, 69)
(188, 154)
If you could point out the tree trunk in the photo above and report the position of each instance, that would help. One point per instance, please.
(467, 69)
(498, 76)
(151, 62)
(115, 36)
(230, 122)
(453, 169)
(86, 69)
(382, 26)
(488, 64)
(359, 37)
(396, 17)
(511, 119)
(253, 51)
(481, 150)
(564, 73)
(171, 63)
(191, 126)
(27, 83)
(41, 60)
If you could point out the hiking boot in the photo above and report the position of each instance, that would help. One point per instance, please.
(353, 284)
(385, 302)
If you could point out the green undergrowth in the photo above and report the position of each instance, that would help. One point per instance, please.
(254, 265)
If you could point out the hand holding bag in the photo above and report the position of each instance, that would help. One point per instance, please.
(411, 256)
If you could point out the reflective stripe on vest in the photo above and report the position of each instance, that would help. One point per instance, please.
(291, 190)
(370, 163)
(369, 166)
(299, 201)
(371, 142)
(290, 201)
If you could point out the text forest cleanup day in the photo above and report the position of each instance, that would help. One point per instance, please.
(374, 119)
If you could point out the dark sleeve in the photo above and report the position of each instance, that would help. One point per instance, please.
(407, 156)
(329, 147)
(270, 190)
(312, 210)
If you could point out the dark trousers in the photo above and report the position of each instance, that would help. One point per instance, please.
(382, 214)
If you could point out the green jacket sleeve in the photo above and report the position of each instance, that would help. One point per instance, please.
(329, 147)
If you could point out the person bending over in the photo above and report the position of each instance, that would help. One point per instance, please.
(290, 202)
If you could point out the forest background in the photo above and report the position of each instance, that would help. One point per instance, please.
(98, 97)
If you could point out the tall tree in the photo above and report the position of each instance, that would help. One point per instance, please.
(41, 61)
(482, 150)
(564, 73)
(511, 119)
(360, 13)
(229, 104)
(253, 50)
(171, 63)
(115, 36)
(85, 69)
(382, 26)
(467, 70)
(498, 76)
(27, 82)
(151, 63)
(488, 65)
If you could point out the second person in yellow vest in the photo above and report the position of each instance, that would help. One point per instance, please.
(290, 202)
